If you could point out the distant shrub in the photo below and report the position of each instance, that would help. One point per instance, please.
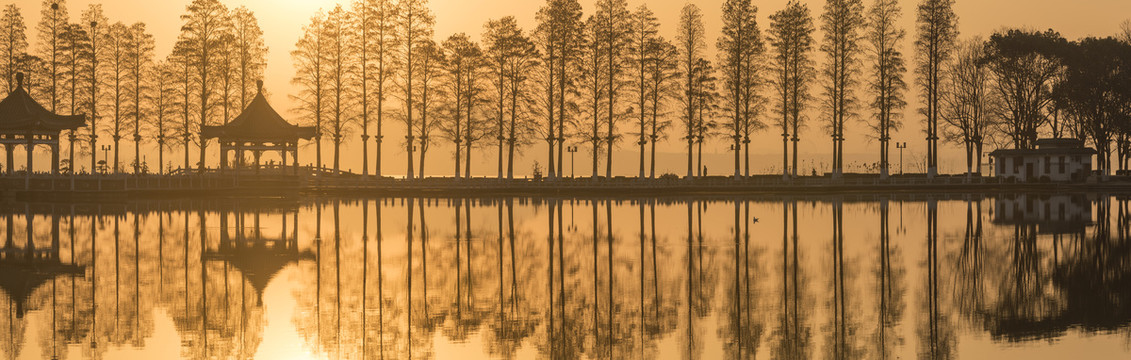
(669, 176)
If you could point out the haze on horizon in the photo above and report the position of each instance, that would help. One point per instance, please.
(282, 21)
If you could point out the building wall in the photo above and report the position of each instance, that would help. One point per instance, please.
(1056, 167)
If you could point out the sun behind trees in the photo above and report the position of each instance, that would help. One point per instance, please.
(573, 81)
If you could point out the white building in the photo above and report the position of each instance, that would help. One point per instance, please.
(1059, 160)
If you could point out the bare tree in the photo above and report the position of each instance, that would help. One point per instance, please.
(791, 32)
(662, 73)
(53, 19)
(180, 60)
(886, 81)
(643, 52)
(98, 30)
(463, 61)
(374, 26)
(938, 31)
(117, 63)
(691, 41)
(13, 43)
(139, 78)
(431, 60)
(513, 56)
(205, 24)
(592, 89)
(613, 29)
(969, 101)
(707, 97)
(74, 50)
(841, 23)
(250, 53)
(341, 71)
(312, 79)
(740, 51)
(414, 30)
(165, 103)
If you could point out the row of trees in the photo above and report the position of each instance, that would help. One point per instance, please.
(108, 71)
(601, 80)
(597, 81)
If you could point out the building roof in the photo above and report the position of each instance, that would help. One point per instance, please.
(1051, 146)
(20, 113)
(259, 122)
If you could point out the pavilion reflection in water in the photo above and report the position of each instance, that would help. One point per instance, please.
(566, 278)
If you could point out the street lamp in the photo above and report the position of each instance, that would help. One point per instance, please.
(105, 155)
(901, 146)
(572, 149)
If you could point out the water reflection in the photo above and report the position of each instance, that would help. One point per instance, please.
(563, 278)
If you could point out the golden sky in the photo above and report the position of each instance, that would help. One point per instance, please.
(282, 22)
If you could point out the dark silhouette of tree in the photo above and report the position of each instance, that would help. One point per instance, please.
(165, 103)
(116, 41)
(13, 43)
(431, 66)
(98, 33)
(938, 31)
(340, 69)
(969, 102)
(312, 78)
(1095, 91)
(643, 51)
(181, 62)
(613, 22)
(691, 41)
(140, 75)
(740, 59)
(559, 34)
(841, 23)
(886, 83)
(556, 36)
(707, 97)
(53, 19)
(250, 53)
(513, 57)
(1025, 66)
(205, 25)
(592, 90)
(413, 32)
(462, 67)
(661, 87)
(791, 32)
(75, 48)
(374, 27)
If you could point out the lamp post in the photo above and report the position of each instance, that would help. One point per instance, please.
(105, 155)
(901, 146)
(572, 149)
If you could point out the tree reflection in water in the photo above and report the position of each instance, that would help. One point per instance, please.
(563, 278)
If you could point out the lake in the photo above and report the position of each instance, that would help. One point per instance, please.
(808, 277)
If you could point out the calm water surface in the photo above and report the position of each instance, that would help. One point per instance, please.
(902, 277)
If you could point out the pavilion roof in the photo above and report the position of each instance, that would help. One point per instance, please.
(259, 122)
(19, 113)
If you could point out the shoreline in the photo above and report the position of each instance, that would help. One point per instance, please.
(59, 188)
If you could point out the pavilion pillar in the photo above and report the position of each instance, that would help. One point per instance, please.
(223, 157)
(283, 166)
(30, 166)
(10, 161)
(295, 147)
(239, 156)
(257, 153)
(55, 157)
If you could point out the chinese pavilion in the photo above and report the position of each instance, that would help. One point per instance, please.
(258, 129)
(24, 122)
